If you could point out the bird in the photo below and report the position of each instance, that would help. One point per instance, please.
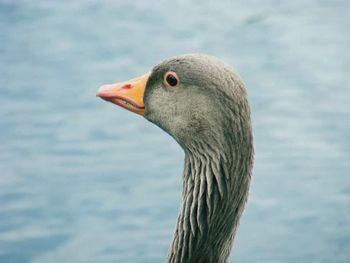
(202, 103)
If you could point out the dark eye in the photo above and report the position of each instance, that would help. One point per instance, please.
(171, 79)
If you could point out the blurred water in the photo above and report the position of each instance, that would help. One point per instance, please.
(84, 181)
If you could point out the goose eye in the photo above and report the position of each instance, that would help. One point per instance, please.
(171, 79)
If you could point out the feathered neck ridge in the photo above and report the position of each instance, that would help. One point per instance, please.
(215, 189)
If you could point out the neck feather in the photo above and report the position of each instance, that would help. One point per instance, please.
(215, 190)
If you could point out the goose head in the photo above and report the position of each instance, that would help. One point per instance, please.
(194, 98)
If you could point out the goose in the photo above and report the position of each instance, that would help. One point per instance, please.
(202, 103)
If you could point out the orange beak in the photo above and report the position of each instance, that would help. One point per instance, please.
(128, 95)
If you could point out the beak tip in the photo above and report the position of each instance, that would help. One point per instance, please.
(102, 91)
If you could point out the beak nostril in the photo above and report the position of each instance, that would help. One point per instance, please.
(126, 86)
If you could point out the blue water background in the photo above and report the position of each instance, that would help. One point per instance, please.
(82, 180)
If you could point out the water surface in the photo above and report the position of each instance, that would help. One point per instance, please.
(84, 181)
